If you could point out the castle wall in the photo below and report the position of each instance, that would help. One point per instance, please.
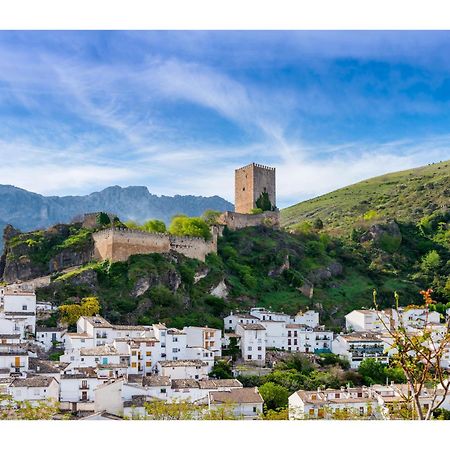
(119, 244)
(250, 182)
(235, 221)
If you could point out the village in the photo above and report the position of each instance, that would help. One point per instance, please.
(110, 371)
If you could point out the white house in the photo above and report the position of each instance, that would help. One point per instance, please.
(246, 403)
(231, 321)
(204, 337)
(77, 390)
(357, 346)
(20, 308)
(323, 404)
(183, 369)
(49, 337)
(34, 389)
(13, 358)
(369, 320)
(253, 342)
(91, 357)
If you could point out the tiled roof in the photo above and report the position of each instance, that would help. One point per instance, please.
(155, 380)
(251, 326)
(101, 350)
(185, 384)
(130, 327)
(243, 395)
(98, 321)
(215, 384)
(33, 382)
(44, 366)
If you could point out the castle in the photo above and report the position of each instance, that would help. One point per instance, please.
(254, 188)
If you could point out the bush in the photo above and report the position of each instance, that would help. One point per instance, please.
(274, 395)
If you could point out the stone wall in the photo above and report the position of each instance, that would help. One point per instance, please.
(235, 221)
(118, 244)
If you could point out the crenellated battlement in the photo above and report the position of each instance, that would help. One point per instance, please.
(118, 244)
(260, 166)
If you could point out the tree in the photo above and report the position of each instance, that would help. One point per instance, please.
(430, 262)
(189, 226)
(372, 371)
(256, 211)
(24, 410)
(103, 219)
(274, 395)
(210, 216)
(154, 226)
(420, 355)
(221, 370)
(276, 414)
(263, 202)
(69, 314)
(318, 224)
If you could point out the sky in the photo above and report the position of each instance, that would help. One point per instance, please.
(179, 111)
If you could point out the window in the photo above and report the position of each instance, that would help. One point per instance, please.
(133, 353)
(254, 409)
(289, 333)
(289, 342)
(24, 307)
(133, 364)
(259, 348)
(163, 390)
(175, 339)
(148, 364)
(361, 410)
(259, 356)
(148, 353)
(249, 349)
(359, 394)
(249, 356)
(230, 321)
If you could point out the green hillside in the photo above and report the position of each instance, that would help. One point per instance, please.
(406, 196)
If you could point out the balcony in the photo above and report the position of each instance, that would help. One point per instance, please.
(17, 366)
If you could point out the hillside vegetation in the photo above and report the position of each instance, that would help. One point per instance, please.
(406, 196)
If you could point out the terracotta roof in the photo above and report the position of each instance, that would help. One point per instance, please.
(98, 321)
(99, 351)
(33, 382)
(155, 380)
(243, 395)
(185, 384)
(215, 384)
(45, 366)
(251, 326)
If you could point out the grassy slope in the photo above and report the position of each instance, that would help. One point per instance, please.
(406, 196)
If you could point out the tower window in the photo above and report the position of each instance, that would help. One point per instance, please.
(243, 188)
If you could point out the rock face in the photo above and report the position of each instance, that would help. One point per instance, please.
(169, 278)
(27, 255)
(29, 211)
(279, 270)
(221, 290)
(386, 236)
(332, 270)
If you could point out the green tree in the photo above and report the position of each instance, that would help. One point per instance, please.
(103, 219)
(430, 262)
(154, 226)
(263, 202)
(318, 224)
(221, 370)
(189, 226)
(69, 314)
(256, 211)
(210, 216)
(274, 395)
(372, 371)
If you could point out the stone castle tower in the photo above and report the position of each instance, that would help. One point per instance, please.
(251, 182)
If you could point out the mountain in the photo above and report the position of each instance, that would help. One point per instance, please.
(406, 196)
(29, 211)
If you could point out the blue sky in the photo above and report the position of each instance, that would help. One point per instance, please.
(179, 111)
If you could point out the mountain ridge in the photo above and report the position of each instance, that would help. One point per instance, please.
(28, 210)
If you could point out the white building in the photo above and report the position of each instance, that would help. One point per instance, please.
(183, 369)
(34, 389)
(369, 320)
(49, 337)
(253, 342)
(246, 403)
(13, 360)
(355, 347)
(324, 404)
(231, 321)
(20, 309)
(206, 338)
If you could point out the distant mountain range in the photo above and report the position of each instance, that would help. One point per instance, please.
(29, 211)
